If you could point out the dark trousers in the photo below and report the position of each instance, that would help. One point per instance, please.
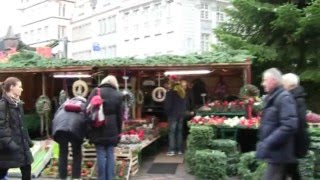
(292, 171)
(25, 172)
(274, 172)
(63, 157)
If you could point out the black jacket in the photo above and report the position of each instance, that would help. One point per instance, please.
(174, 105)
(112, 107)
(302, 140)
(278, 127)
(70, 123)
(14, 139)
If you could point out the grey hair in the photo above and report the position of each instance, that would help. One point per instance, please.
(275, 74)
(292, 79)
(111, 80)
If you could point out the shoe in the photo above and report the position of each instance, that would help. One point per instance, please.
(170, 153)
(180, 152)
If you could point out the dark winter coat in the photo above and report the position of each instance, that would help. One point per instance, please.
(70, 123)
(175, 107)
(302, 140)
(277, 130)
(15, 142)
(108, 134)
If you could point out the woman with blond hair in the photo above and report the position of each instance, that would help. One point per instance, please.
(15, 142)
(106, 137)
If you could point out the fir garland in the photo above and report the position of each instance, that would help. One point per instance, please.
(29, 59)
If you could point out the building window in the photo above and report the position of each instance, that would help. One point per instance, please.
(204, 13)
(107, 25)
(26, 38)
(46, 33)
(102, 26)
(61, 31)
(39, 34)
(220, 15)
(31, 36)
(157, 11)
(112, 24)
(81, 32)
(62, 10)
(205, 42)
(111, 51)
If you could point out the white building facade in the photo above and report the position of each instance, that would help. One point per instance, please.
(100, 29)
(141, 28)
(45, 20)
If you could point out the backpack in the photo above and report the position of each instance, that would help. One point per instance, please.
(94, 110)
(74, 104)
(302, 136)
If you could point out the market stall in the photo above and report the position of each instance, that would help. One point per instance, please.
(143, 82)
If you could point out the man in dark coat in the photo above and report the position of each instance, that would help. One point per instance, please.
(69, 126)
(107, 136)
(15, 142)
(302, 141)
(189, 106)
(175, 109)
(278, 126)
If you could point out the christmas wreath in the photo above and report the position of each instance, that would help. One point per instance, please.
(129, 97)
(43, 105)
(249, 91)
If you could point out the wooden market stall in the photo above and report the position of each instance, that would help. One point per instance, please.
(143, 76)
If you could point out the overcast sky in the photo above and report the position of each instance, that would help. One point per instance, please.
(9, 16)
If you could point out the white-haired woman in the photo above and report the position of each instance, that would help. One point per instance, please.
(291, 84)
(106, 137)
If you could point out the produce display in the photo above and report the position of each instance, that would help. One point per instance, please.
(122, 169)
(224, 106)
(219, 121)
(52, 169)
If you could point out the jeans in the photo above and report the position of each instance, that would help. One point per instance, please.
(105, 159)
(274, 172)
(63, 157)
(176, 134)
(25, 172)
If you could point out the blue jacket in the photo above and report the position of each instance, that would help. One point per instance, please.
(174, 105)
(278, 126)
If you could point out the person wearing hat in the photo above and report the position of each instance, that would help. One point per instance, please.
(175, 108)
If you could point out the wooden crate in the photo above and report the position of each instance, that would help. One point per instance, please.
(134, 166)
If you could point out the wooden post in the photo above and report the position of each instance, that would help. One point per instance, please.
(43, 84)
(139, 106)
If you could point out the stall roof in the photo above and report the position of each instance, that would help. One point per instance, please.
(29, 62)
